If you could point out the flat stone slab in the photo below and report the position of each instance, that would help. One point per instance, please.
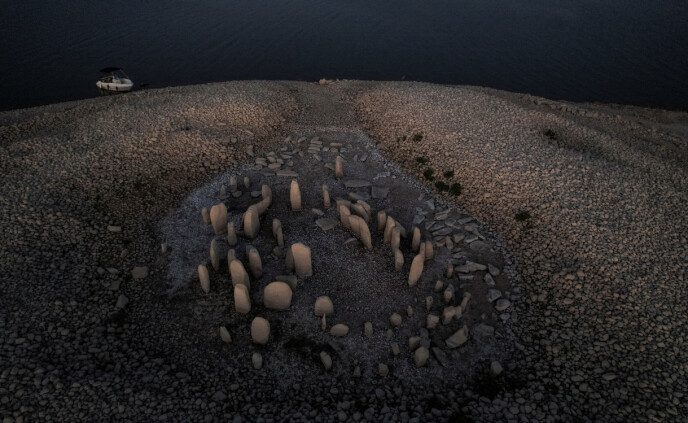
(326, 223)
(380, 192)
(287, 173)
(356, 183)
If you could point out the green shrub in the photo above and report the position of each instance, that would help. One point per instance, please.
(455, 189)
(441, 186)
(448, 174)
(417, 137)
(522, 216)
(429, 174)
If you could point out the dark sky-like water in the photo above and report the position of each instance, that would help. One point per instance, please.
(623, 51)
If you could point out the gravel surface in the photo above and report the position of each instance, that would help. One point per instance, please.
(576, 313)
(603, 256)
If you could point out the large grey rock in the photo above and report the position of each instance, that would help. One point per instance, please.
(260, 330)
(218, 218)
(458, 338)
(277, 296)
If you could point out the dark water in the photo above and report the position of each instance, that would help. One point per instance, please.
(632, 51)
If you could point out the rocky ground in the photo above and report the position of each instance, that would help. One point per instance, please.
(98, 323)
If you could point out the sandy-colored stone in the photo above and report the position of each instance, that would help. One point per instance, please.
(277, 232)
(231, 234)
(242, 300)
(237, 273)
(364, 235)
(205, 215)
(340, 329)
(326, 360)
(323, 306)
(416, 270)
(232, 183)
(420, 356)
(339, 167)
(255, 264)
(251, 222)
(277, 296)
(214, 255)
(395, 240)
(398, 260)
(431, 321)
(218, 218)
(390, 223)
(381, 220)
(395, 320)
(203, 278)
(415, 239)
(225, 336)
(429, 250)
(344, 214)
(326, 197)
(260, 330)
(295, 195)
(301, 255)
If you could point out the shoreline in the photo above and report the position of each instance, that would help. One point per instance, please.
(600, 261)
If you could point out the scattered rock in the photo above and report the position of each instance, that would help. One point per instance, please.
(458, 338)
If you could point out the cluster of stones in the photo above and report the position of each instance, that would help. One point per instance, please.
(277, 295)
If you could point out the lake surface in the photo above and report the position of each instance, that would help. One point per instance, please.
(624, 51)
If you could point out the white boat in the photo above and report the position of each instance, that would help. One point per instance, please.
(115, 81)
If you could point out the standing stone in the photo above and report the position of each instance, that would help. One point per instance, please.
(254, 262)
(416, 269)
(277, 232)
(251, 222)
(389, 226)
(205, 214)
(415, 239)
(266, 201)
(323, 306)
(339, 329)
(395, 240)
(429, 250)
(364, 235)
(368, 329)
(232, 183)
(344, 214)
(204, 278)
(257, 360)
(464, 301)
(218, 218)
(260, 330)
(398, 260)
(225, 336)
(238, 273)
(242, 300)
(326, 197)
(247, 182)
(360, 210)
(420, 357)
(354, 223)
(231, 255)
(326, 360)
(381, 220)
(339, 167)
(277, 296)
(458, 338)
(231, 234)
(214, 255)
(295, 195)
(302, 260)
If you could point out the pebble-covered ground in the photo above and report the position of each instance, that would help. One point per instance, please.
(97, 323)
(592, 202)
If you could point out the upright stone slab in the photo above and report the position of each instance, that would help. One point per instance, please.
(205, 215)
(364, 235)
(214, 255)
(254, 262)
(266, 200)
(277, 232)
(339, 167)
(395, 239)
(361, 211)
(242, 300)
(295, 195)
(344, 214)
(326, 197)
(218, 218)
(260, 330)
(416, 269)
(251, 222)
(277, 296)
(231, 234)
(389, 225)
(381, 220)
(450, 269)
(429, 250)
(398, 260)
(415, 239)
(302, 260)
(238, 273)
(203, 278)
